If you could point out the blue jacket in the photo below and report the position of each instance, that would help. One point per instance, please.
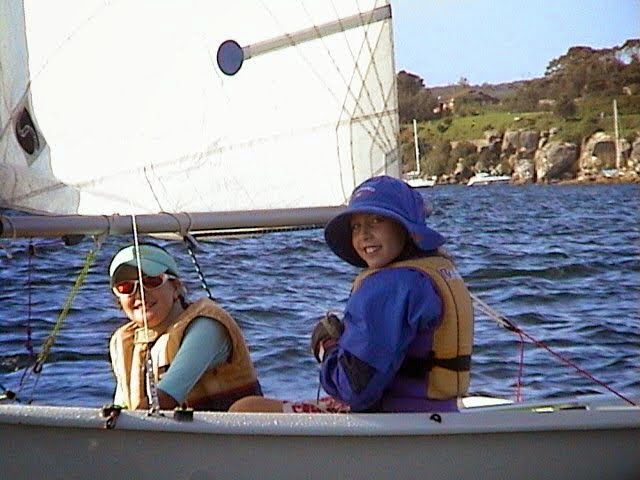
(383, 318)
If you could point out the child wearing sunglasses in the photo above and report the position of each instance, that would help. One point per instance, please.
(199, 355)
(405, 338)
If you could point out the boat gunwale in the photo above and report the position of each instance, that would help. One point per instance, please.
(473, 421)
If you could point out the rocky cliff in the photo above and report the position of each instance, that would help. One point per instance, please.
(530, 156)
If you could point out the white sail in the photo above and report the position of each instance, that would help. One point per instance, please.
(26, 177)
(135, 116)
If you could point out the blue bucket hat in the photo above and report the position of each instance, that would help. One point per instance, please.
(154, 260)
(388, 197)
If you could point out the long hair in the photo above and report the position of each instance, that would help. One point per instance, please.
(411, 250)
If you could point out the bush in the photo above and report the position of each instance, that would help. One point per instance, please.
(437, 159)
(565, 108)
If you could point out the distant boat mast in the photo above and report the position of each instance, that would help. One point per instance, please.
(617, 133)
(415, 142)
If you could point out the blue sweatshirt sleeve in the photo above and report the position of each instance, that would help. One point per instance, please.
(205, 345)
(381, 319)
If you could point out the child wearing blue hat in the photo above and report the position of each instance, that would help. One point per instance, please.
(198, 354)
(404, 342)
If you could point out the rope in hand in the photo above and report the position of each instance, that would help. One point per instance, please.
(504, 322)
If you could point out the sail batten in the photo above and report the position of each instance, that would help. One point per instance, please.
(120, 107)
(316, 32)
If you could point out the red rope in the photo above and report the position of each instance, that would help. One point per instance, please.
(522, 333)
(504, 322)
(520, 369)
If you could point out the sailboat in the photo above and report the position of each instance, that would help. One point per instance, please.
(415, 178)
(167, 119)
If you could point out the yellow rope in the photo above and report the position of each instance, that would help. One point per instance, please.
(50, 340)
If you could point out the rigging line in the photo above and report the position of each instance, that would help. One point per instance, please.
(504, 322)
(190, 242)
(364, 25)
(365, 30)
(520, 370)
(320, 78)
(28, 342)
(152, 390)
(153, 192)
(50, 340)
(136, 247)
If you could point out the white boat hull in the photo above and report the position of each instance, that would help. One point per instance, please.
(483, 179)
(59, 442)
(421, 182)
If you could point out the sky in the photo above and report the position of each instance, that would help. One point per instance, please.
(496, 41)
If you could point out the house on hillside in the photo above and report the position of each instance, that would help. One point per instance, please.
(474, 95)
(444, 105)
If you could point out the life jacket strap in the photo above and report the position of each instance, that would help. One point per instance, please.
(417, 367)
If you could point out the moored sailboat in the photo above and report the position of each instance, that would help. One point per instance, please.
(415, 178)
(193, 177)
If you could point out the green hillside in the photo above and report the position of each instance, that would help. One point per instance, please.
(574, 99)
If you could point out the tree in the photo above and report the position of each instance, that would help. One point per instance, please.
(565, 107)
(584, 71)
(414, 100)
(409, 84)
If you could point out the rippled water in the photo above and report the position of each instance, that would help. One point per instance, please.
(562, 262)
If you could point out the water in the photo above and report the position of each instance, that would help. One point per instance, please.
(562, 262)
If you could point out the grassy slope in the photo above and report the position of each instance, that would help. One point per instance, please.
(473, 127)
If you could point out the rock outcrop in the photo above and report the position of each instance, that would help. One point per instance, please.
(556, 161)
(532, 156)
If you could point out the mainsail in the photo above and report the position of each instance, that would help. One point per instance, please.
(116, 108)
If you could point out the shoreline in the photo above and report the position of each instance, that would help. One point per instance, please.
(586, 180)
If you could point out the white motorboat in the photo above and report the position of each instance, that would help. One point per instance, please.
(484, 178)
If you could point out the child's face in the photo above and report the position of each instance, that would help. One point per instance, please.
(378, 240)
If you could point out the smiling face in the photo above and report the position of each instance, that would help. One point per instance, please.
(377, 239)
(160, 303)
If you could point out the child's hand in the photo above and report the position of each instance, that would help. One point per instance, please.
(325, 335)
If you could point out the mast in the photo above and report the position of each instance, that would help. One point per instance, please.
(617, 133)
(415, 142)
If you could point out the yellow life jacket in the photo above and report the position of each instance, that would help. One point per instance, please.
(447, 368)
(215, 390)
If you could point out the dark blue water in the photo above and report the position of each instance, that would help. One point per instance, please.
(562, 262)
